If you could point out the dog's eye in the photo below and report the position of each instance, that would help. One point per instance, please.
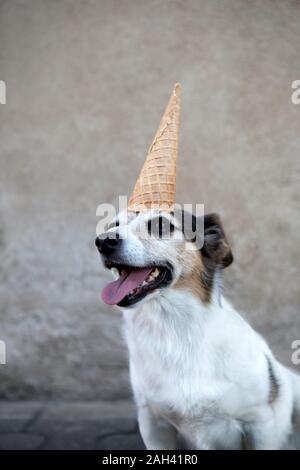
(160, 227)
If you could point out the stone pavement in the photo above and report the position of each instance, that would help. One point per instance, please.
(55, 425)
(68, 426)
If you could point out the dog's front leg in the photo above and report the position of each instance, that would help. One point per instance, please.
(264, 436)
(157, 433)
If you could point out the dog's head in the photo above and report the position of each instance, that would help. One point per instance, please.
(152, 251)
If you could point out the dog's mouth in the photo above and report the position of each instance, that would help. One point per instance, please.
(134, 283)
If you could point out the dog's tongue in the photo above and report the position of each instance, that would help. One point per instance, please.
(115, 291)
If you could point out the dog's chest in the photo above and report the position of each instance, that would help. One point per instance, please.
(185, 401)
(172, 382)
(174, 370)
(172, 367)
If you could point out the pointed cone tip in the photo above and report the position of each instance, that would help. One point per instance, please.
(177, 89)
(165, 196)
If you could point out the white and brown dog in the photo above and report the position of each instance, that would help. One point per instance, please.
(197, 368)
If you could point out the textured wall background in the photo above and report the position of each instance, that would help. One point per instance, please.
(87, 82)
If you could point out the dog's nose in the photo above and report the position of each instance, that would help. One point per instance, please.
(108, 242)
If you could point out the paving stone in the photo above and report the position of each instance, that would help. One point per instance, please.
(121, 442)
(20, 441)
(63, 425)
(16, 416)
(99, 427)
(67, 425)
(73, 426)
(21, 410)
(12, 425)
(80, 434)
(83, 439)
(92, 411)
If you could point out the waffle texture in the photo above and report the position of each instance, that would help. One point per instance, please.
(156, 185)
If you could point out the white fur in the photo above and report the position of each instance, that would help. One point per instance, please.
(199, 369)
(203, 371)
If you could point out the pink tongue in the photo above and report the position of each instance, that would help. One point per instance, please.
(115, 291)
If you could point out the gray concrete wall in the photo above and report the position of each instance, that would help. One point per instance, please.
(86, 85)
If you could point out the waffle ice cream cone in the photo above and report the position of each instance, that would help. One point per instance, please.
(156, 185)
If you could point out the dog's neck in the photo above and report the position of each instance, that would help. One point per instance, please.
(172, 308)
(173, 330)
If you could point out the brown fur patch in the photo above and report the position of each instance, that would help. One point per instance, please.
(199, 266)
(198, 280)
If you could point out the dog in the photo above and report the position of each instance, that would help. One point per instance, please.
(197, 368)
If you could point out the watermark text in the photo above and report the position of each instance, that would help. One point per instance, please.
(295, 96)
(2, 353)
(295, 358)
(2, 92)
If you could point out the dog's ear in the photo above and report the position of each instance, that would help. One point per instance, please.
(215, 244)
